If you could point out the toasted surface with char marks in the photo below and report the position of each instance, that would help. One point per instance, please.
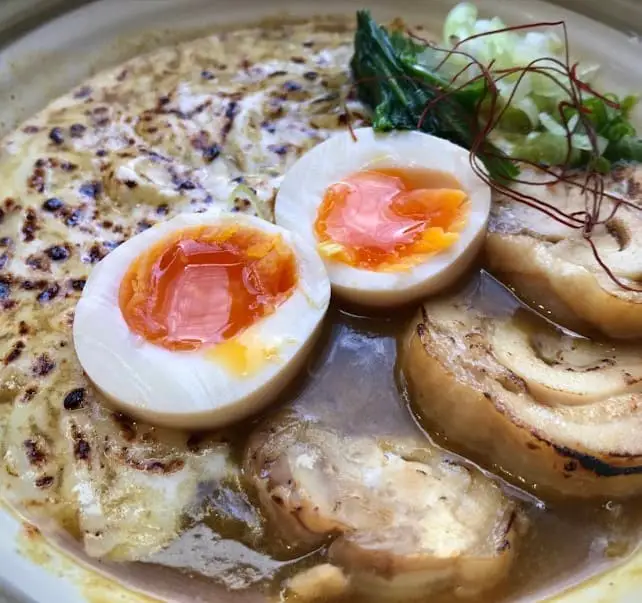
(558, 413)
(177, 130)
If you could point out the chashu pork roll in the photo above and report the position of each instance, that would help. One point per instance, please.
(558, 412)
(400, 517)
(551, 265)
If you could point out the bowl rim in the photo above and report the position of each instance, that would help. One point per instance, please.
(31, 29)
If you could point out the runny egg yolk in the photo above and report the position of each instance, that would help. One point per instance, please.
(203, 285)
(390, 219)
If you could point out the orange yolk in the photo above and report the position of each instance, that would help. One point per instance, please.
(204, 285)
(384, 219)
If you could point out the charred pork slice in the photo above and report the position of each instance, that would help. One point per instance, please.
(552, 265)
(399, 517)
(561, 412)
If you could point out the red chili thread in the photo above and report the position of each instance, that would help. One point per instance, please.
(592, 186)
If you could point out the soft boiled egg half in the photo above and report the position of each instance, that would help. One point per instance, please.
(201, 320)
(395, 216)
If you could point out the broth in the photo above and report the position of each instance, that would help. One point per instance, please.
(351, 382)
(352, 385)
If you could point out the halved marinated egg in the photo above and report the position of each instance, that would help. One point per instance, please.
(201, 320)
(395, 216)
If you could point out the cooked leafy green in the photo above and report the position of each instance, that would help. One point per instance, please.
(398, 78)
(398, 95)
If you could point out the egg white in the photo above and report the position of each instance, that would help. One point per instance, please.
(188, 389)
(305, 184)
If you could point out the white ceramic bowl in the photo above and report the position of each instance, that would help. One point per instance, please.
(49, 60)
